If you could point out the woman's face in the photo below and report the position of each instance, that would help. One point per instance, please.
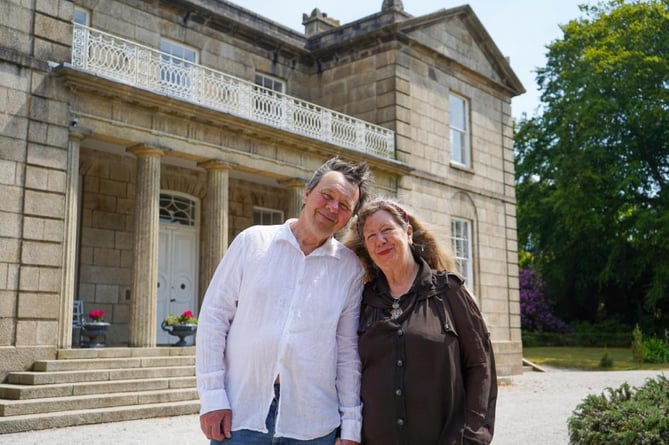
(386, 241)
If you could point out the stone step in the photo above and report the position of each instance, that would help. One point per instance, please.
(28, 392)
(87, 386)
(111, 363)
(97, 375)
(10, 408)
(120, 352)
(30, 422)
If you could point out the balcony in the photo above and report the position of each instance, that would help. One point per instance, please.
(121, 60)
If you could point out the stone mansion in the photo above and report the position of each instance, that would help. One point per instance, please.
(138, 137)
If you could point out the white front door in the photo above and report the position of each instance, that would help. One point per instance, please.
(177, 275)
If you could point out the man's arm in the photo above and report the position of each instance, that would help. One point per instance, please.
(216, 314)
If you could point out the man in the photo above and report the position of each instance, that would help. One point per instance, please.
(282, 312)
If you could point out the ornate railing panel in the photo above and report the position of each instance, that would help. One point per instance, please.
(143, 67)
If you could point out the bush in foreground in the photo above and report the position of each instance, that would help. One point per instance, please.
(623, 416)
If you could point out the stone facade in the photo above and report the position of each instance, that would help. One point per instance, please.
(84, 155)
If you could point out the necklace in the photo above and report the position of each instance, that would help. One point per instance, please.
(396, 311)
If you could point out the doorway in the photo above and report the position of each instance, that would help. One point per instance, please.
(177, 261)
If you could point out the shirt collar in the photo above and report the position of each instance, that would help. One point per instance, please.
(331, 247)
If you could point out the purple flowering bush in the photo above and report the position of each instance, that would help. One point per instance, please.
(536, 314)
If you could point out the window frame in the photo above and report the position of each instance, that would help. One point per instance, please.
(270, 82)
(171, 79)
(86, 14)
(460, 155)
(458, 236)
(268, 99)
(265, 211)
(177, 208)
(178, 45)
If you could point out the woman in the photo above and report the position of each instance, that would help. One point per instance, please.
(428, 371)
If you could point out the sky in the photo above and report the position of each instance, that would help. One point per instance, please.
(521, 29)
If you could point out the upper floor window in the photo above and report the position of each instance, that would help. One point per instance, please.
(81, 16)
(267, 105)
(459, 124)
(461, 239)
(175, 69)
(271, 83)
(264, 216)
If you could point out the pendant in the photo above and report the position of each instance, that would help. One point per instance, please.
(396, 311)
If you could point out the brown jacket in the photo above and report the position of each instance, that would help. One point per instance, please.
(428, 377)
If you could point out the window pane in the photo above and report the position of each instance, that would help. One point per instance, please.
(462, 248)
(175, 67)
(176, 50)
(176, 210)
(80, 16)
(267, 216)
(459, 129)
(270, 83)
(456, 146)
(457, 112)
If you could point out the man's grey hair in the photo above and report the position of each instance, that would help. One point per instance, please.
(356, 174)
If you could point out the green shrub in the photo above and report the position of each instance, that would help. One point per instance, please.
(627, 416)
(611, 332)
(657, 351)
(612, 324)
(598, 339)
(606, 362)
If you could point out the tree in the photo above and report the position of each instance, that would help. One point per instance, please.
(591, 168)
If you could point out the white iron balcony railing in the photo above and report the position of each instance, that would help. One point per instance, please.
(142, 67)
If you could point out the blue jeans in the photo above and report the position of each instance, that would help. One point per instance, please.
(248, 437)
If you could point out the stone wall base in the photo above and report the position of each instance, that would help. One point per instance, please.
(21, 358)
(508, 357)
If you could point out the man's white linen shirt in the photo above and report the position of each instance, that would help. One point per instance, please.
(272, 311)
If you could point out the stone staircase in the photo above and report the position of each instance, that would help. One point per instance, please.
(87, 386)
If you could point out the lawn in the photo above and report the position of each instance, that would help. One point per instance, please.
(586, 358)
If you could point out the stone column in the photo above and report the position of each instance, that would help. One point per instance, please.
(295, 188)
(71, 222)
(216, 217)
(144, 290)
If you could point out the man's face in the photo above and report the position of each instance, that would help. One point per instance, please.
(329, 205)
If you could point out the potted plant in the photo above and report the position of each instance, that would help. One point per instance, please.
(95, 328)
(180, 326)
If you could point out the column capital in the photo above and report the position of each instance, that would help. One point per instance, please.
(295, 187)
(147, 150)
(215, 164)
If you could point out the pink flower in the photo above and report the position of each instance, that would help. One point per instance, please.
(186, 317)
(96, 314)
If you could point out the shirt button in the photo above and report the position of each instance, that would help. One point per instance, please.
(400, 422)
(400, 363)
(398, 392)
(400, 332)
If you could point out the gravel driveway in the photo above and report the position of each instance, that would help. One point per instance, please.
(532, 409)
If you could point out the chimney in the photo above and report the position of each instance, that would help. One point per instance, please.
(317, 22)
(392, 4)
